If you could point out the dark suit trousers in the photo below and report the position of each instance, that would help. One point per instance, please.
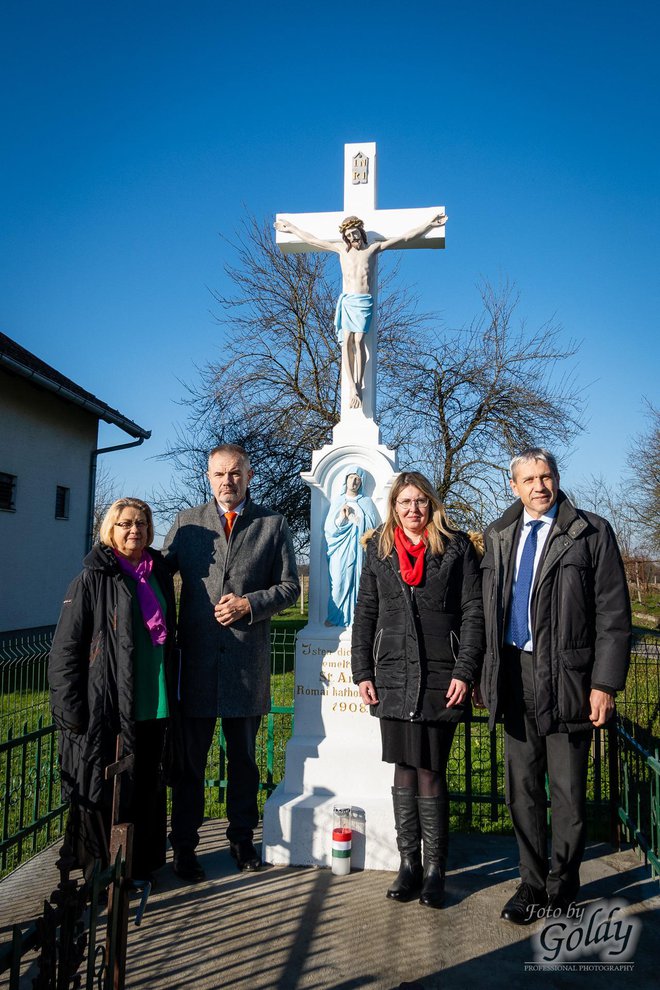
(242, 779)
(528, 757)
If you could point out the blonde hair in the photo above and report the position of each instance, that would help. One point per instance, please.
(112, 516)
(438, 529)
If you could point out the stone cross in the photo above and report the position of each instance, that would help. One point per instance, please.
(360, 195)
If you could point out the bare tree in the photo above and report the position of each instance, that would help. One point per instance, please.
(612, 501)
(475, 397)
(456, 403)
(632, 505)
(644, 487)
(105, 494)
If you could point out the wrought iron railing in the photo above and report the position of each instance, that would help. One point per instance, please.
(623, 778)
(31, 808)
(80, 939)
(638, 755)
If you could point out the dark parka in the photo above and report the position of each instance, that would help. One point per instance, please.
(412, 641)
(580, 610)
(90, 673)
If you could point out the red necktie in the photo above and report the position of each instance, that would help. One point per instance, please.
(229, 523)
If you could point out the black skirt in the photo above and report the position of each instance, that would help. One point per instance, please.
(424, 745)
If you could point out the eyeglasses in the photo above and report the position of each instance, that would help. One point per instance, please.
(129, 525)
(407, 503)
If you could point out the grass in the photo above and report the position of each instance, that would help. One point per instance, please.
(24, 699)
(646, 613)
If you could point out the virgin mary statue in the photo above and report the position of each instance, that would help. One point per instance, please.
(350, 515)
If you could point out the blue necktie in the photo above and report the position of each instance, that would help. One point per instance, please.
(523, 587)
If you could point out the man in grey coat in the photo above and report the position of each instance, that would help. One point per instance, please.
(238, 568)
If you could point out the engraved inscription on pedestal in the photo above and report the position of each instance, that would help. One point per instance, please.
(332, 681)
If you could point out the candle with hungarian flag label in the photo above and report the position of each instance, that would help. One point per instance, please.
(341, 851)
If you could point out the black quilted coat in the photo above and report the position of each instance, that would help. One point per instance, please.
(580, 609)
(90, 673)
(412, 641)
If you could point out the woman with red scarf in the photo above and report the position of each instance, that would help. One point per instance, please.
(418, 641)
(113, 672)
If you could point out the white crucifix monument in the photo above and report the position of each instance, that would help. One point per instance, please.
(333, 758)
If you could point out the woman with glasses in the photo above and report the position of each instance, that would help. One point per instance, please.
(418, 641)
(113, 672)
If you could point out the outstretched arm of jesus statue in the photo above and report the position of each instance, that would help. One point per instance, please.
(439, 220)
(290, 228)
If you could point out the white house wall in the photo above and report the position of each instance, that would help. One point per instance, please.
(45, 442)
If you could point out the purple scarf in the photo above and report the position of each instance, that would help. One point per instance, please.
(152, 613)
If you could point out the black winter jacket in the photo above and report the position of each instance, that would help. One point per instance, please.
(581, 623)
(90, 673)
(412, 641)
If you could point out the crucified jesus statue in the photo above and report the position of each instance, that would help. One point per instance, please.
(355, 304)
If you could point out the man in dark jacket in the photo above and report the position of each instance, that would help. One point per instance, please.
(238, 568)
(558, 632)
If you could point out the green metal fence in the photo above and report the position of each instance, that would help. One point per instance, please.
(638, 755)
(624, 786)
(31, 809)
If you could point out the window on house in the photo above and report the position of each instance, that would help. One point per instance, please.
(61, 502)
(7, 492)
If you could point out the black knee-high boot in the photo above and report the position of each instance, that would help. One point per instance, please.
(409, 878)
(435, 840)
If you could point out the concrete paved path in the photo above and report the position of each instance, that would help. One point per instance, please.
(295, 928)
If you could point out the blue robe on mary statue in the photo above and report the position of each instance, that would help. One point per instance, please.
(348, 519)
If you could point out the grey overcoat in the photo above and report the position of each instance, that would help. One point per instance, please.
(226, 670)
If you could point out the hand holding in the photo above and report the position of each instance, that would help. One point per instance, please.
(230, 609)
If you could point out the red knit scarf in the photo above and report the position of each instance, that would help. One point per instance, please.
(412, 571)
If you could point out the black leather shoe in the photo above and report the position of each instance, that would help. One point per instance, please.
(523, 907)
(246, 856)
(187, 866)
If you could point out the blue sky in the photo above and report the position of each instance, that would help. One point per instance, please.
(136, 133)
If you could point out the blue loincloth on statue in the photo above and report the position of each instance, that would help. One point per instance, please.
(353, 313)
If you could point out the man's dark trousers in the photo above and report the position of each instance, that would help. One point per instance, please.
(528, 756)
(242, 779)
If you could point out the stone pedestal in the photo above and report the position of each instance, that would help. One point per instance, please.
(334, 756)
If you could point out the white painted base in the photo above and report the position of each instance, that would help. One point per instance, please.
(334, 756)
(332, 760)
(297, 831)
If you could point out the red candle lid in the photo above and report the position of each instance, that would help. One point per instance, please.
(342, 834)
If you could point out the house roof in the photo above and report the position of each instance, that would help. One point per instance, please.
(18, 361)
